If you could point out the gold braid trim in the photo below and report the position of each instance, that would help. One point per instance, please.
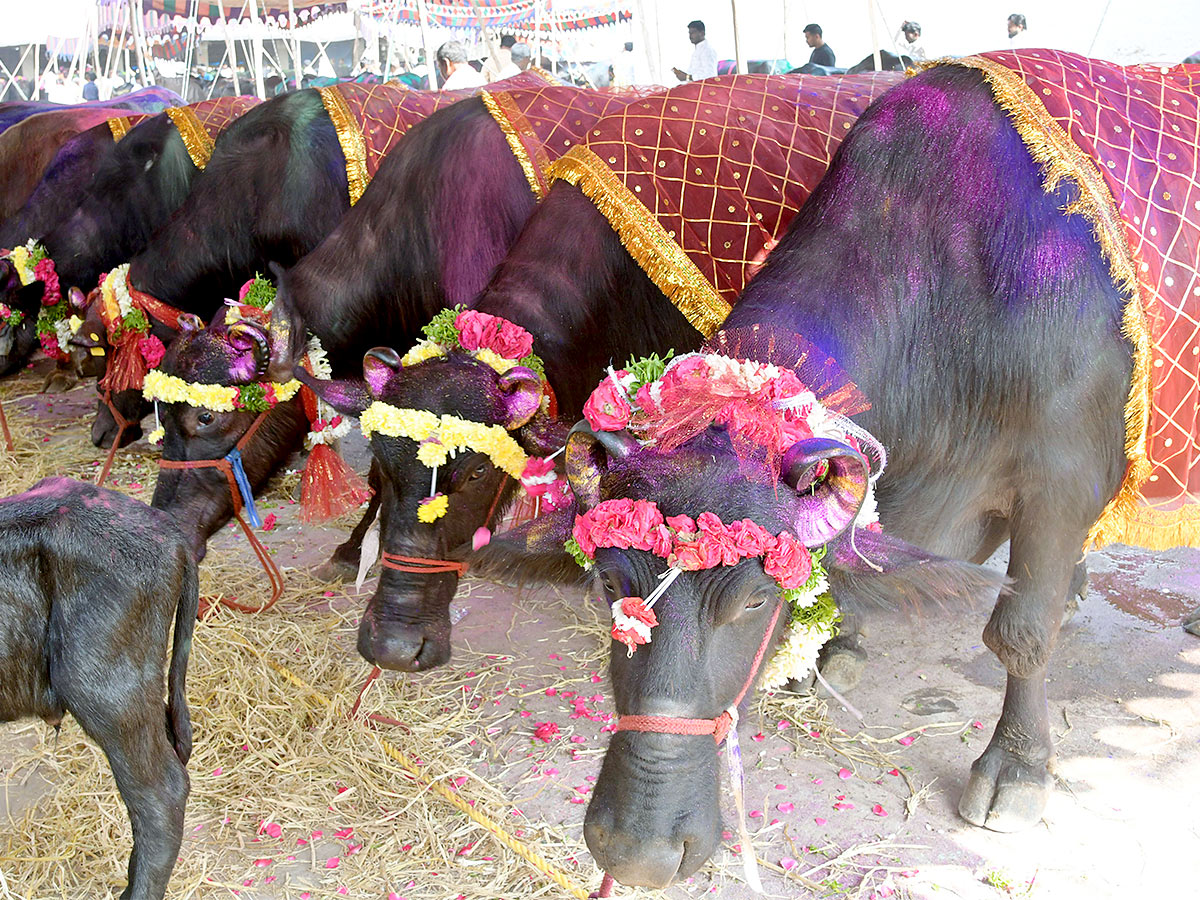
(517, 131)
(119, 127)
(668, 266)
(1125, 519)
(354, 148)
(195, 138)
(550, 78)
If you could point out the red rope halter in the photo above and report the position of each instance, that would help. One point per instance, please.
(264, 557)
(8, 441)
(717, 727)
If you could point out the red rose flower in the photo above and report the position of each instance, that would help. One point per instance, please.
(607, 409)
(720, 541)
(152, 350)
(788, 561)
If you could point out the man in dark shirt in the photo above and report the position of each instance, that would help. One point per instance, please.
(822, 54)
(90, 91)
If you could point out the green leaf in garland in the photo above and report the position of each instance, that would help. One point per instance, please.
(252, 397)
(572, 546)
(647, 369)
(260, 294)
(441, 328)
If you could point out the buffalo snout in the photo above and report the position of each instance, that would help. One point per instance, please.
(395, 636)
(654, 819)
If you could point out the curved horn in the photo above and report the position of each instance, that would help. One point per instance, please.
(587, 456)
(246, 335)
(379, 365)
(190, 322)
(522, 391)
(77, 299)
(829, 501)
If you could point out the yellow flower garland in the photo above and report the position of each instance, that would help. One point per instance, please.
(217, 397)
(438, 436)
(20, 259)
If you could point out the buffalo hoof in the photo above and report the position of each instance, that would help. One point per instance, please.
(842, 664)
(1004, 792)
(59, 382)
(401, 648)
(1191, 622)
(336, 570)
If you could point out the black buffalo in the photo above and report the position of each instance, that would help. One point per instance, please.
(92, 581)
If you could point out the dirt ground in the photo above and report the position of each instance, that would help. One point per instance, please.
(837, 806)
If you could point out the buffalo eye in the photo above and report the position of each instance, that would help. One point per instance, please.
(759, 599)
(205, 418)
(478, 472)
(609, 584)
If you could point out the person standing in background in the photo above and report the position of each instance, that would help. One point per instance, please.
(704, 57)
(912, 46)
(90, 91)
(454, 68)
(1017, 34)
(502, 66)
(822, 54)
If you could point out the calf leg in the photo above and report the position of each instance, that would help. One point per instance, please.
(153, 785)
(1011, 782)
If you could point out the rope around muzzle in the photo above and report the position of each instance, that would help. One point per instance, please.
(122, 424)
(720, 727)
(227, 465)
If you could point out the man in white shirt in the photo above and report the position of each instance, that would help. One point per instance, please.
(1017, 36)
(455, 70)
(704, 57)
(911, 45)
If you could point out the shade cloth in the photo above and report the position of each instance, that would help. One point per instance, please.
(1128, 137)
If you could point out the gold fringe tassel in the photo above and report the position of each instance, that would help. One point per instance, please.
(660, 257)
(354, 148)
(119, 127)
(515, 128)
(195, 138)
(1125, 519)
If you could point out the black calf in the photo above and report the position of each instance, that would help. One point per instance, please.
(91, 581)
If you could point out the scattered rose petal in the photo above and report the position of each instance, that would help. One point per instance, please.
(844, 774)
(819, 820)
(550, 692)
(756, 813)
(785, 807)
(545, 731)
(342, 890)
(333, 862)
(781, 787)
(269, 522)
(787, 863)
(843, 806)
(346, 832)
(217, 771)
(894, 772)
(879, 810)
(271, 829)
(263, 863)
(906, 740)
(977, 724)
(758, 737)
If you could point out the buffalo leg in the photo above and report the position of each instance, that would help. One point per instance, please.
(1010, 783)
(1191, 622)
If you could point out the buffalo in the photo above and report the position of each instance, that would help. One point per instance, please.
(985, 328)
(571, 283)
(93, 580)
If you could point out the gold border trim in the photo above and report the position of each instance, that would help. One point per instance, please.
(520, 137)
(668, 266)
(119, 127)
(1125, 519)
(354, 148)
(195, 138)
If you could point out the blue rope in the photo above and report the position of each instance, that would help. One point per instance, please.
(239, 475)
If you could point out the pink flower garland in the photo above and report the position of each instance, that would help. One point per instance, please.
(477, 330)
(686, 544)
(45, 272)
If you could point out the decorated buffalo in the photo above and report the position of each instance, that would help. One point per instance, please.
(972, 277)
(278, 182)
(93, 581)
(570, 294)
(147, 100)
(106, 192)
(438, 217)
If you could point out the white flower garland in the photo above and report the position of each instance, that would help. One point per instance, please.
(333, 426)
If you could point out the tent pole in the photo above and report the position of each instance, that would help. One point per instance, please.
(256, 55)
(37, 73)
(874, 35)
(230, 51)
(297, 55)
(737, 41)
(430, 59)
(537, 32)
(487, 38)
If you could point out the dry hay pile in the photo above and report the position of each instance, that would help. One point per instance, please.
(291, 798)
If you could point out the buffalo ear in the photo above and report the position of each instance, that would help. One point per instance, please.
(588, 454)
(522, 390)
(28, 298)
(380, 364)
(348, 396)
(828, 502)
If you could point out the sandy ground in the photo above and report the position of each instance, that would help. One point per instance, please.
(830, 816)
